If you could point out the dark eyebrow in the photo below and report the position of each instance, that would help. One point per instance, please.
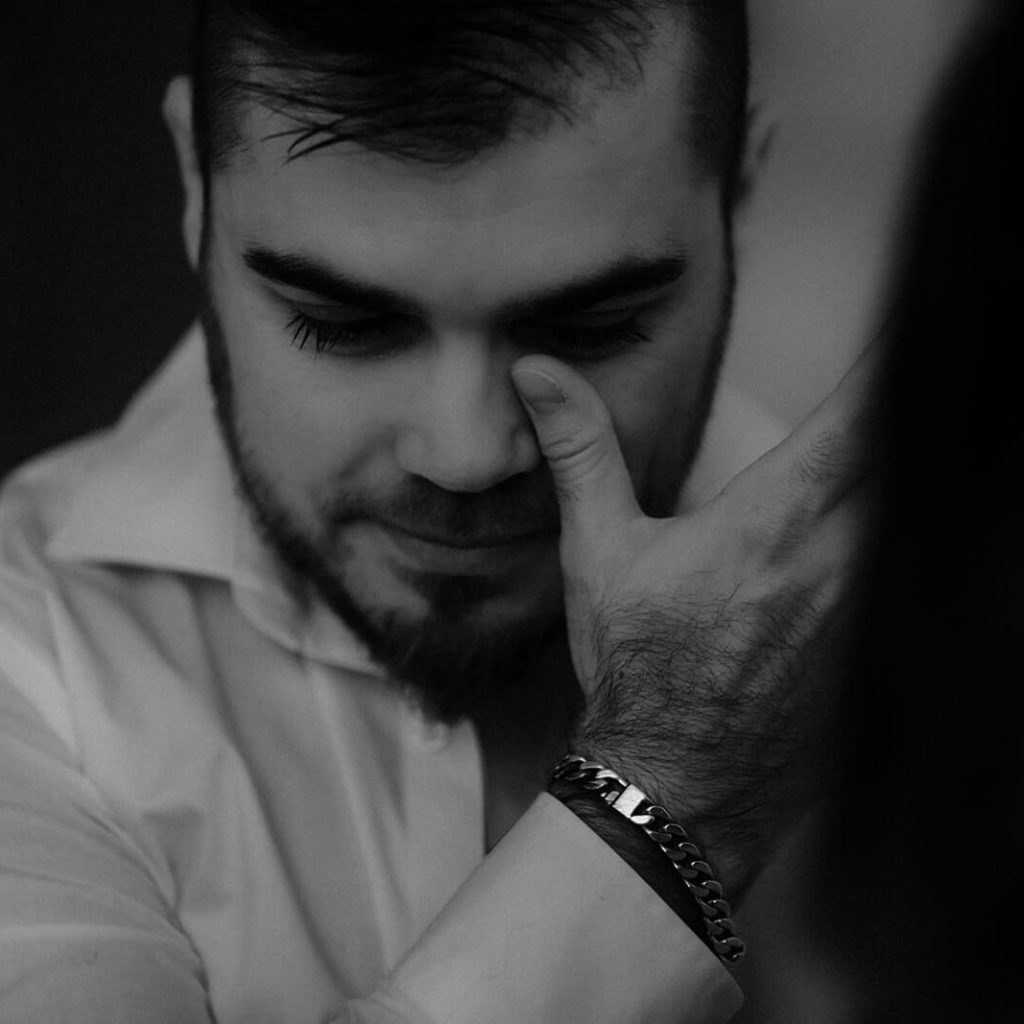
(295, 270)
(629, 275)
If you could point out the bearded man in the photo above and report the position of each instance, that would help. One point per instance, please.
(290, 654)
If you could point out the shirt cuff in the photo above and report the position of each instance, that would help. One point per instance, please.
(554, 926)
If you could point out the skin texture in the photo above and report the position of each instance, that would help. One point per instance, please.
(346, 454)
(705, 644)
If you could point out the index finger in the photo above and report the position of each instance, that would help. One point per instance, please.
(829, 452)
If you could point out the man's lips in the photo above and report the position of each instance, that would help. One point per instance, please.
(472, 542)
(461, 553)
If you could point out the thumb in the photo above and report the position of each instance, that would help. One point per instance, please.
(576, 436)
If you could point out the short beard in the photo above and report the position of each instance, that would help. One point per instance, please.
(446, 663)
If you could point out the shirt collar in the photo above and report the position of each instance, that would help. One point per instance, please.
(158, 492)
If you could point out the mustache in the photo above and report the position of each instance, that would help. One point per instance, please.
(517, 507)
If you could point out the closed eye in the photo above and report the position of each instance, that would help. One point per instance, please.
(360, 336)
(584, 338)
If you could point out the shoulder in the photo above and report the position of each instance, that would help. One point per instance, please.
(33, 501)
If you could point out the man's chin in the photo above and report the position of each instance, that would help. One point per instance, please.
(459, 643)
(460, 666)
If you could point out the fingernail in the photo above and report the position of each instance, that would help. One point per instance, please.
(543, 394)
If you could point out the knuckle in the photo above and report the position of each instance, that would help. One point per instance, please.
(774, 534)
(573, 440)
(760, 529)
(825, 459)
(832, 458)
(577, 452)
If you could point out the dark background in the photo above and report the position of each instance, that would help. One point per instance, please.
(95, 283)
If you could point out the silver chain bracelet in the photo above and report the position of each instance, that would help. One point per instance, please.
(673, 839)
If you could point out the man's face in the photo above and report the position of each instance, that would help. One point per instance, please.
(365, 315)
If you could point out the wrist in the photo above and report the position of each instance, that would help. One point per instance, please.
(635, 848)
(729, 839)
(672, 841)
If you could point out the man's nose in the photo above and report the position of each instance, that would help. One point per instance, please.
(466, 430)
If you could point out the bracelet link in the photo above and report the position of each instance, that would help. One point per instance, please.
(627, 802)
(671, 837)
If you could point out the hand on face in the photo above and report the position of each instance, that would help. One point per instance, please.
(702, 643)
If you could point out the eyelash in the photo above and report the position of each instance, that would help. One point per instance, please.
(369, 337)
(378, 337)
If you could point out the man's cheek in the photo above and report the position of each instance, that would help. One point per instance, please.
(637, 407)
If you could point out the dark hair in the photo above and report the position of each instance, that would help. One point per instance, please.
(441, 81)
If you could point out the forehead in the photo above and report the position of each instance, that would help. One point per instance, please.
(620, 179)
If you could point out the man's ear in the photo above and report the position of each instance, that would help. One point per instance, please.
(177, 111)
(757, 149)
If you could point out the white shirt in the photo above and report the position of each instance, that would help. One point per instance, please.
(213, 806)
